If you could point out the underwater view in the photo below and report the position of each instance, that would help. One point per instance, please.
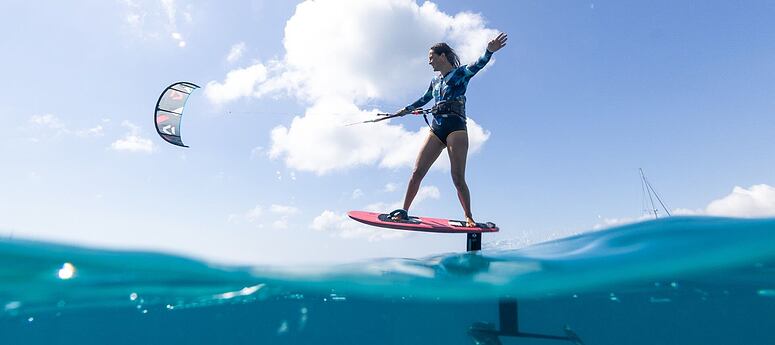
(678, 280)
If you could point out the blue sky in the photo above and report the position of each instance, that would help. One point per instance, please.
(583, 95)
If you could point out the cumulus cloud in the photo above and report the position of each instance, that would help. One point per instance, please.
(155, 19)
(283, 210)
(611, 222)
(132, 140)
(49, 125)
(335, 66)
(179, 38)
(340, 225)
(238, 83)
(756, 201)
(254, 214)
(236, 52)
(48, 121)
(390, 187)
(96, 131)
(276, 215)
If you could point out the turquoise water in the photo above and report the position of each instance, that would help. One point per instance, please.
(681, 280)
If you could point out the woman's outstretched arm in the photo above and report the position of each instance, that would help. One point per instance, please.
(493, 46)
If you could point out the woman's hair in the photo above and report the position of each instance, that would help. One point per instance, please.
(443, 48)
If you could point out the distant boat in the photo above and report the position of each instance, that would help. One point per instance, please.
(652, 193)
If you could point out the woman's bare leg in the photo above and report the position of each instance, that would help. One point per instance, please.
(457, 148)
(428, 154)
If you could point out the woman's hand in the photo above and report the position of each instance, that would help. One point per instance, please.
(402, 112)
(498, 42)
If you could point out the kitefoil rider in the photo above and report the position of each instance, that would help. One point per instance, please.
(448, 126)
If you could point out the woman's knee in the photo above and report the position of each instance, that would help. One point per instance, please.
(459, 180)
(418, 173)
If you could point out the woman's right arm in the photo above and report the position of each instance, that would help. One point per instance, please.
(427, 97)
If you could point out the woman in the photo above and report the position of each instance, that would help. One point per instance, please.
(448, 129)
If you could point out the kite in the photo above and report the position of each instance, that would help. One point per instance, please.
(169, 111)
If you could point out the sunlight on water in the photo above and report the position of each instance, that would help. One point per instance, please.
(67, 271)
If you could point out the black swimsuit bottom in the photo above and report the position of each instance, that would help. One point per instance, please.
(443, 125)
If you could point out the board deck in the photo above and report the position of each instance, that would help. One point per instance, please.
(425, 224)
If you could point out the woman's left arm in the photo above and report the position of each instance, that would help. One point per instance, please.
(493, 46)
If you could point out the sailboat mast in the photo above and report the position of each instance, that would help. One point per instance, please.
(647, 189)
(651, 190)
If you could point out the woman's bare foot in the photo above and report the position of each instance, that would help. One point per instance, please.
(470, 222)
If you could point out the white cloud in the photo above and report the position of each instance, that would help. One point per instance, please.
(284, 212)
(357, 193)
(256, 152)
(47, 124)
(337, 65)
(390, 187)
(96, 131)
(238, 83)
(254, 214)
(756, 201)
(169, 8)
(236, 52)
(48, 121)
(427, 192)
(276, 215)
(280, 224)
(133, 19)
(179, 38)
(283, 209)
(132, 140)
(611, 222)
(155, 19)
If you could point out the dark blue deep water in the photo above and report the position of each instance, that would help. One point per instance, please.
(681, 280)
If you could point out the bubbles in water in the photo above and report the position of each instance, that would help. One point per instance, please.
(766, 293)
(12, 305)
(283, 328)
(335, 297)
(303, 318)
(133, 296)
(653, 299)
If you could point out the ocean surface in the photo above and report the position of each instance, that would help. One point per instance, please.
(678, 280)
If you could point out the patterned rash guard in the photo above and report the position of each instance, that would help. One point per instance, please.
(451, 87)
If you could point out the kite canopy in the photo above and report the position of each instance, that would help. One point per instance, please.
(169, 111)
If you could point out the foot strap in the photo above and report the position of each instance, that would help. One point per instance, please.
(399, 215)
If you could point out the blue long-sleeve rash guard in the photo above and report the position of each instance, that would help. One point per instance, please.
(452, 86)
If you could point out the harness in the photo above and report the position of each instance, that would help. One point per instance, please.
(446, 108)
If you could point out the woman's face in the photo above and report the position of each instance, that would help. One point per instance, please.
(437, 60)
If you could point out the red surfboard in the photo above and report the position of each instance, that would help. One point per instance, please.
(425, 224)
